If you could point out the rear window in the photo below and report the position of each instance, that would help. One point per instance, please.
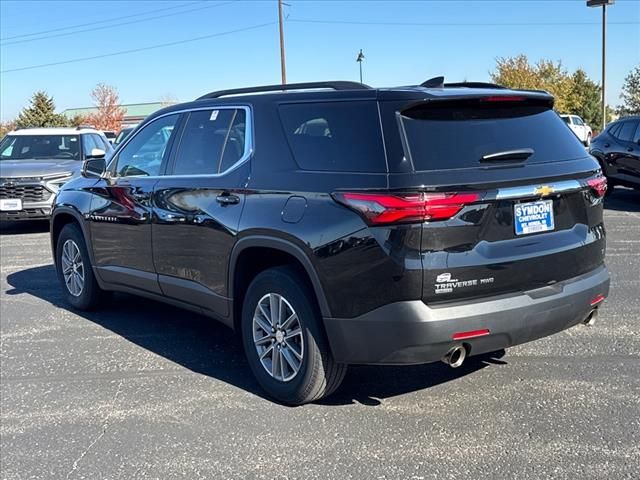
(459, 137)
(338, 136)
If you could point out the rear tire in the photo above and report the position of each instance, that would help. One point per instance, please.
(284, 341)
(74, 270)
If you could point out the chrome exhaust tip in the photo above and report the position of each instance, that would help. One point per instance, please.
(590, 321)
(455, 357)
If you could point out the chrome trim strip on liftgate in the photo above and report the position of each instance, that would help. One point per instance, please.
(543, 190)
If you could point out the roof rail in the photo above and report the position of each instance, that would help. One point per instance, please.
(336, 85)
(474, 85)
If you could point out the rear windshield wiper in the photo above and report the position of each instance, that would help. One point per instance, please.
(520, 154)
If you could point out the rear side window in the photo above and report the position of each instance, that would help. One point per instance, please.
(626, 132)
(450, 138)
(335, 136)
(212, 142)
(613, 131)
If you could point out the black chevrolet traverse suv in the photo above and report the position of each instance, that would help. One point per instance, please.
(618, 151)
(333, 224)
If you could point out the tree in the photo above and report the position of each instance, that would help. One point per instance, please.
(574, 93)
(78, 120)
(109, 115)
(585, 99)
(631, 93)
(41, 113)
(6, 127)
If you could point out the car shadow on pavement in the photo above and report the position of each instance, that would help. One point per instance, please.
(623, 199)
(205, 346)
(23, 226)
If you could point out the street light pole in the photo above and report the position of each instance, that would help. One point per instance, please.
(604, 63)
(603, 4)
(359, 59)
(283, 68)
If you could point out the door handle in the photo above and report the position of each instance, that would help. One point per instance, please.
(227, 199)
(629, 149)
(607, 145)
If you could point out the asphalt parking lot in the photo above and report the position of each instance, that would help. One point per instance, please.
(142, 390)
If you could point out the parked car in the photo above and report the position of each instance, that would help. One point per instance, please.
(579, 127)
(618, 152)
(124, 133)
(36, 162)
(332, 223)
(110, 135)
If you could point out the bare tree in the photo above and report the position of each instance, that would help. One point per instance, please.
(110, 114)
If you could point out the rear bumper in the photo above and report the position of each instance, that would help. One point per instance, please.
(412, 332)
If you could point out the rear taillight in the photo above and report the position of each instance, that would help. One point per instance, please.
(385, 208)
(598, 185)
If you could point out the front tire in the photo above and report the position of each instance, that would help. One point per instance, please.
(74, 269)
(284, 341)
(587, 142)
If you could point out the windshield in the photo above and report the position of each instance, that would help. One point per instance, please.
(29, 147)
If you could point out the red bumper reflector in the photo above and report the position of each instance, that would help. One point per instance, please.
(471, 334)
(596, 300)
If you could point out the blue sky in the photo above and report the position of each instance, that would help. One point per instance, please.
(404, 42)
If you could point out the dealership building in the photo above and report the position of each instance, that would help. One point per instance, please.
(134, 113)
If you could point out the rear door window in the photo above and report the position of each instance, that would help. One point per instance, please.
(212, 142)
(335, 136)
(459, 137)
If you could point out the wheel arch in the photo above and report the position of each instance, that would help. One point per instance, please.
(63, 216)
(249, 249)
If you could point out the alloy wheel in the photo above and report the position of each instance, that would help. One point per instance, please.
(277, 336)
(72, 268)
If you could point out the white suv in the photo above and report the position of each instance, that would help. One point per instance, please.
(579, 127)
(36, 162)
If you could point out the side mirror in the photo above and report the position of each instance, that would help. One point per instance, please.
(94, 167)
(96, 153)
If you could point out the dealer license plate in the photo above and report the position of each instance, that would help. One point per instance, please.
(10, 204)
(533, 217)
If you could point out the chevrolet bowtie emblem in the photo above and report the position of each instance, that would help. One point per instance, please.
(544, 190)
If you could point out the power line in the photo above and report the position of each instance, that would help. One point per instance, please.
(454, 24)
(92, 29)
(113, 19)
(142, 49)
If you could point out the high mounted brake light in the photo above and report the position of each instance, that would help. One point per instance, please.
(502, 98)
(386, 208)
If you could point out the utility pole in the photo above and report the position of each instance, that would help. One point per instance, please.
(283, 68)
(603, 4)
(359, 59)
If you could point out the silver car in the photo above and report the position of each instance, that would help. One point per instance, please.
(36, 162)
